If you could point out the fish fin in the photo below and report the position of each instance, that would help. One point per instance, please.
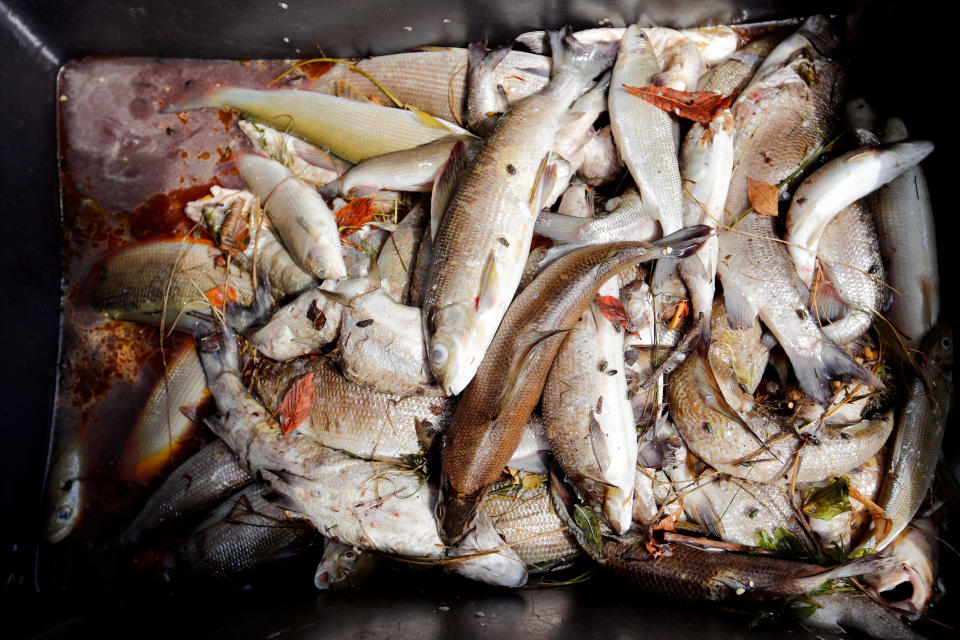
(216, 424)
(318, 157)
(339, 298)
(244, 319)
(859, 566)
(446, 183)
(487, 60)
(428, 120)
(489, 280)
(281, 485)
(517, 370)
(598, 441)
(815, 373)
(741, 313)
(662, 272)
(682, 242)
(330, 191)
(546, 179)
(559, 227)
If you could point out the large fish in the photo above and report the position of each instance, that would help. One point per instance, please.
(921, 423)
(908, 242)
(916, 553)
(483, 240)
(397, 260)
(488, 419)
(797, 90)
(302, 220)
(691, 573)
(590, 423)
(309, 163)
(382, 506)
(351, 130)
(644, 132)
(840, 612)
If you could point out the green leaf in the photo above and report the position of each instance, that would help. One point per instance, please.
(837, 585)
(824, 503)
(586, 520)
(766, 541)
(786, 542)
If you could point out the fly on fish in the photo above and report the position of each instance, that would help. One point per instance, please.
(510, 313)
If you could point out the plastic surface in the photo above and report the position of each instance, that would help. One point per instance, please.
(894, 60)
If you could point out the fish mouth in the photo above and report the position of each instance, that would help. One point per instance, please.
(456, 513)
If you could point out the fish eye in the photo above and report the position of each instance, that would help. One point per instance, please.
(64, 512)
(350, 555)
(946, 343)
(438, 354)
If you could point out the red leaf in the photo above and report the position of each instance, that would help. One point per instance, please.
(701, 106)
(219, 296)
(296, 404)
(763, 197)
(354, 215)
(612, 309)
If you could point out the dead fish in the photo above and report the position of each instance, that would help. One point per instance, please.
(841, 612)
(381, 506)
(307, 162)
(691, 573)
(310, 321)
(797, 90)
(908, 243)
(433, 79)
(644, 133)
(166, 281)
(351, 130)
(64, 493)
(680, 59)
(255, 231)
(199, 483)
(915, 551)
(300, 216)
(852, 271)
(397, 259)
(921, 422)
(344, 566)
(523, 515)
(169, 418)
(601, 162)
(349, 417)
(590, 423)
(404, 170)
(488, 418)
(243, 533)
(484, 237)
(486, 101)
(732, 75)
(835, 186)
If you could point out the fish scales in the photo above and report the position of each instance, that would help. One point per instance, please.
(482, 436)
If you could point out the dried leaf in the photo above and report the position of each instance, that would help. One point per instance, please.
(882, 524)
(612, 309)
(219, 296)
(700, 106)
(540, 241)
(296, 404)
(763, 197)
(354, 215)
(667, 523)
(531, 481)
(681, 311)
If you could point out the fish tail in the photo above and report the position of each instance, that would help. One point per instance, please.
(588, 60)
(859, 566)
(561, 228)
(330, 191)
(218, 350)
(215, 99)
(486, 60)
(243, 318)
(816, 372)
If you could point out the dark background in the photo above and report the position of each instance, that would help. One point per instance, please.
(897, 56)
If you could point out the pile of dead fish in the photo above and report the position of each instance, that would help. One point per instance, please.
(485, 330)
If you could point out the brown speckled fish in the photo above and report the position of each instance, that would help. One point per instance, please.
(488, 419)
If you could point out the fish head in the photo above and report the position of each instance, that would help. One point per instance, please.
(456, 513)
(938, 348)
(63, 497)
(452, 336)
(326, 262)
(343, 566)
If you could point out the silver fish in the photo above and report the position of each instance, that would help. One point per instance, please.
(302, 219)
(64, 493)
(757, 274)
(644, 133)
(840, 612)
(199, 483)
(835, 186)
(908, 242)
(243, 533)
(921, 422)
(916, 553)
(486, 100)
(397, 259)
(601, 162)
